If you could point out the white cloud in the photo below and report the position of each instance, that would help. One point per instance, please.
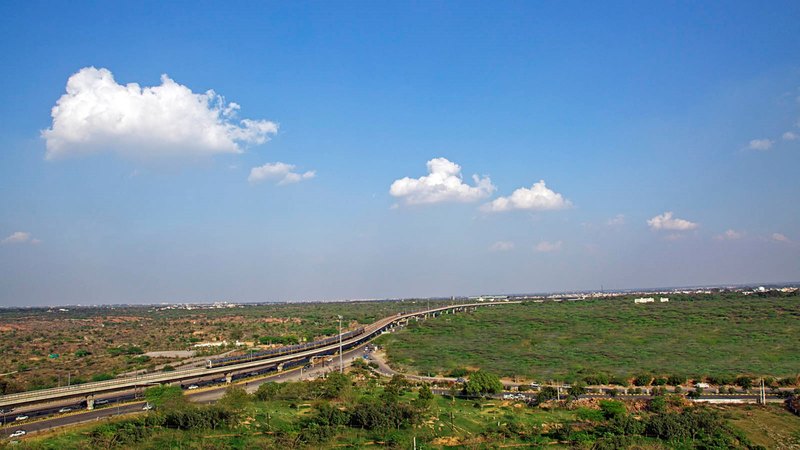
(99, 115)
(442, 184)
(501, 246)
(617, 220)
(20, 237)
(790, 136)
(547, 247)
(537, 198)
(279, 171)
(729, 235)
(760, 144)
(667, 222)
(780, 237)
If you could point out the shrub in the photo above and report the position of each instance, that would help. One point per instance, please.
(676, 380)
(642, 380)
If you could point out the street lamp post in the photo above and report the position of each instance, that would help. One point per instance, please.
(341, 364)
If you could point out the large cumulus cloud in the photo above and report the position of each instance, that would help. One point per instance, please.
(97, 114)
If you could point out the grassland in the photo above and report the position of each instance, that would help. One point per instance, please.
(691, 335)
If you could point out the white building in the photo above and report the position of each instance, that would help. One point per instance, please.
(644, 300)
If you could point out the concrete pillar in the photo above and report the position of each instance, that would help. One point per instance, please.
(90, 402)
(280, 367)
(228, 378)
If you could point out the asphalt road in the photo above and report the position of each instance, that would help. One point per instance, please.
(48, 421)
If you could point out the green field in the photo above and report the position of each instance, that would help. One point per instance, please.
(691, 335)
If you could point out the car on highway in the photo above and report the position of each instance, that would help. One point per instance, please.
(100, 402)
(21, 417)
(17, 433)
(192, 387)
(65, 409)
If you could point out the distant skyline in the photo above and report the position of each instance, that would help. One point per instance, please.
(180, 152)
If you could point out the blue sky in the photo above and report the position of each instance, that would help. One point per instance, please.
(667, 136)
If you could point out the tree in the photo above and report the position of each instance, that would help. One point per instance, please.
(335, 385)
(235, 398)
(546, 393)
(612, 409)
(425, 392)
(268, 391)
(424, 397)
(165, 396)
(745, 382)
(482, 383)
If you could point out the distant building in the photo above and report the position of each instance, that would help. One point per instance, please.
(664, 299)
(211, 344)
(644, 300)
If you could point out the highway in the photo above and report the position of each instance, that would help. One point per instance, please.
(117, 384)
(126, 404)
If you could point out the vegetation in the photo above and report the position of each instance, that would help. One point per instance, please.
(613, 340)
(360, 411)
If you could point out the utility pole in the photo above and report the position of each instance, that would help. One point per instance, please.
(341, 364)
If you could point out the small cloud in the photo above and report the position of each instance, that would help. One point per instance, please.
(617, 220)
(778, 237)
(729, 235)
(20, 237)
(760, 144)
(790, 136)
(501, 246)
(279, 171)
(667, 222)
(536, 198)
(442, 184)
(547, 247)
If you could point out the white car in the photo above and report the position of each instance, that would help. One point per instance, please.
(65, 409)
(17, 433)
(22, 417)
(194, 386)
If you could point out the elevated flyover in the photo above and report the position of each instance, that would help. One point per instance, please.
(88, 390)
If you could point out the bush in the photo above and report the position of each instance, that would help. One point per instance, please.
(372, 414)
(642, 380)
(612, 409)
(102, 377)
(458, 373)
(676, 380)
(268, 391)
